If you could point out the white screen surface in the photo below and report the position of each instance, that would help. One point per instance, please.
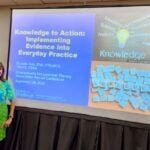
(73, 59)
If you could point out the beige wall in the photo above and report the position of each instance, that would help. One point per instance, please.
(5, 14)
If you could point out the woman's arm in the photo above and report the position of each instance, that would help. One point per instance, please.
(11, 114)
(12, 109)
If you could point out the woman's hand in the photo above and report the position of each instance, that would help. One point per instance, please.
(8, 122)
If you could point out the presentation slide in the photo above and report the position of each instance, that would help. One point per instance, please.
(92, 57)
(50, 56)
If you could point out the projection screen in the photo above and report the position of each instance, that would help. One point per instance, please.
(84, 60)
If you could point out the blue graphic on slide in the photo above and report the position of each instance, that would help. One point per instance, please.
(121, 85)
(50, 57)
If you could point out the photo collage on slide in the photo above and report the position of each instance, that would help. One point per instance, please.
(120, 72)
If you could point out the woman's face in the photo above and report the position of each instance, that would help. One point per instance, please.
(1, 71)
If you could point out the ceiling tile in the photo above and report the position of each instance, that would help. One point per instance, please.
(20, 2)
(7, 2)
(84, 1)
(55, 1)
(112, 0)
(77, 1)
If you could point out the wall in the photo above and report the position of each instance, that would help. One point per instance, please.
(5, 14)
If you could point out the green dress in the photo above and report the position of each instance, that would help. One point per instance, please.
(6, 93)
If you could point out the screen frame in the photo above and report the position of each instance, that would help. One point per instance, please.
(121, 115)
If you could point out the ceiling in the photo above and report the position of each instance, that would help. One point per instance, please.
(54, 3)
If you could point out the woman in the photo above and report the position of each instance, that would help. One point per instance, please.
(6, 93)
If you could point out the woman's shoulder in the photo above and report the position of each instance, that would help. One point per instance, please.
(5, 82)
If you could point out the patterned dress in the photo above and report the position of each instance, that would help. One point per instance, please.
(6, 93)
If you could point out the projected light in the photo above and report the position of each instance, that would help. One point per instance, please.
(122, 36)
